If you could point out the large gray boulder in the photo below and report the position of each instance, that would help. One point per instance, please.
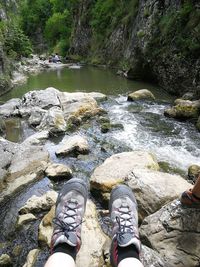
(37, 138)
(151, 258)
(116, 169)
(174, 232)
(53, 121)
(7, 150)
(153, 189)
(36, 116)
(78, 104)
(20, 164)
(7, 109)
(2, 127)
(44, 99)
(198, 124)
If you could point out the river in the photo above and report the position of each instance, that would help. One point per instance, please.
(145, 126)
(175, 144)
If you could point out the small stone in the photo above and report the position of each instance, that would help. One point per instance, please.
(58, 171)
(25, 218)
(31, 258)
(75, 144)
(46, 228)
(193, 172)
(5, 260)
(142, 94)
(37, 204)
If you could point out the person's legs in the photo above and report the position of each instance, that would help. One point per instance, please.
(66, 239)
(191, 197)
(130, 262)
(60, 259)
(126, 245)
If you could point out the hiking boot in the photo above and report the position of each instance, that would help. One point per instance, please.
(70, 208)
(124, 217)
(190, 200)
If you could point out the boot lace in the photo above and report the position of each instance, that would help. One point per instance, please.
(71, 212)
(125, 223)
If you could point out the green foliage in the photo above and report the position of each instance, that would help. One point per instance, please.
(180, 30)
(140, 34)
(107, 14)
(34, 14)
(15, 42)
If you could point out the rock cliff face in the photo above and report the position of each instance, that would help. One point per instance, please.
(6, 6)
(159, 42)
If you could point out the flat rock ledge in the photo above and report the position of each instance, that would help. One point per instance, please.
(174, 232)
(116, 169)
(153, 189)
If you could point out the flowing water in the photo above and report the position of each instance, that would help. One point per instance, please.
(144, 127)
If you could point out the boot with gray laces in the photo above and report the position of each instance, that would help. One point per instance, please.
(124, 217)
(70, 208)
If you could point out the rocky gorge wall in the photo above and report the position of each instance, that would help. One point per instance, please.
(158, 41)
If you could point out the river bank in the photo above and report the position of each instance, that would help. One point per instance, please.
(96, 138)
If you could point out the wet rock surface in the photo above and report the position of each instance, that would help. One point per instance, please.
(174, 232)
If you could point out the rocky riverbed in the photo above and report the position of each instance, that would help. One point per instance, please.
(75, 135)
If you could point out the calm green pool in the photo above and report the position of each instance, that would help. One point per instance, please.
(85, 79)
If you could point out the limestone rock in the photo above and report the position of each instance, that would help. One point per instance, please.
(98, 96)
(36, 116)
(31, 258)
(46, 228)
(58, 171)
(25, 218)
(142, 94)
(151, 258)
(5, 260)
(198, 124)
(37, 138)
(184, 109)
(193, 172)
(53, 121)
(23, 164)
(27, 159)
(116, 169)
(78, 104)
(93, 240)
(44, 99)
(7, 109)
(174, 232)
(2, 127)
(89, 255)
(154, 189)
(75, 144)
(36, 204)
